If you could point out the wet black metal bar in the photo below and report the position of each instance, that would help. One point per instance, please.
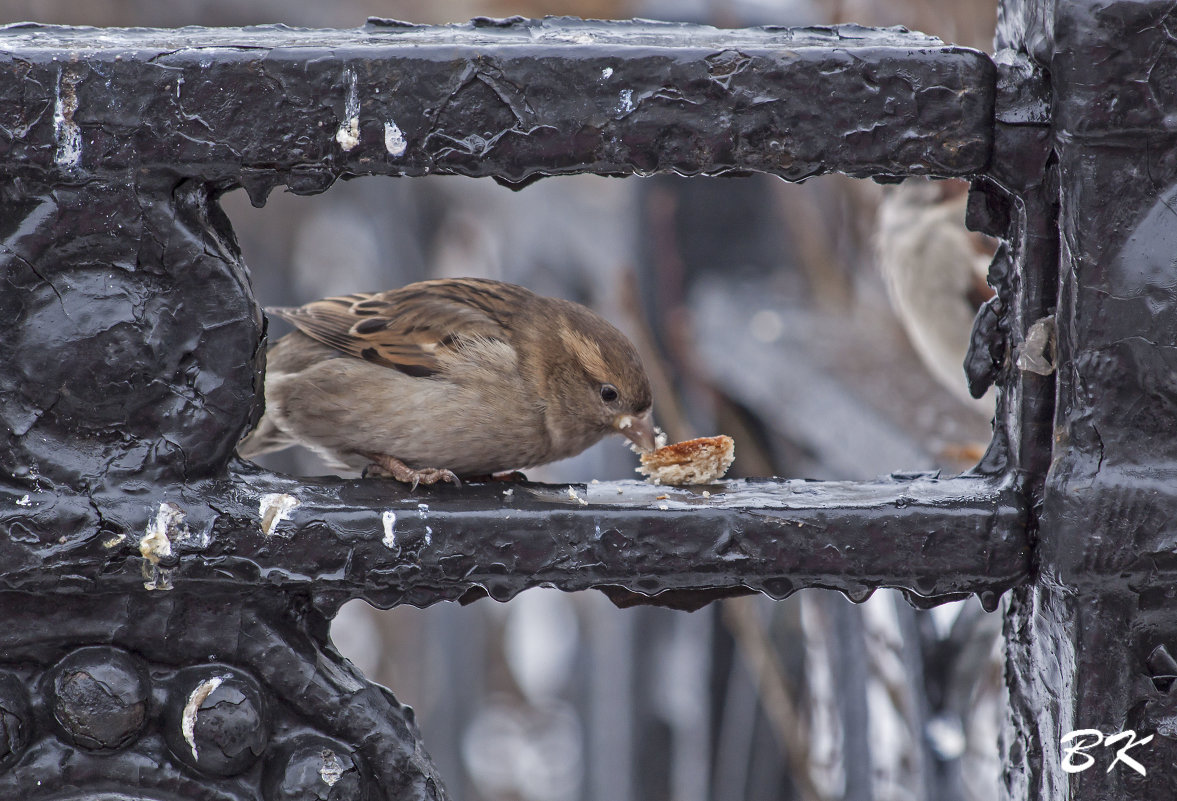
(333, 540)
(511, 99)
(170, 296)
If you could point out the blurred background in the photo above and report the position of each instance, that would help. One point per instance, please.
(822, 325)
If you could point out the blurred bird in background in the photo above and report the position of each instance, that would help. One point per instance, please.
(935, 271)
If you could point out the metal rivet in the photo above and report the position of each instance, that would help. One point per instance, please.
(99, 697)
(216, 720)
(315, 768)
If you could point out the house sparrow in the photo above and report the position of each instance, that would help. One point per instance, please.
(448, 378)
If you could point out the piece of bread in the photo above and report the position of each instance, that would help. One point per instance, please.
(696, 461)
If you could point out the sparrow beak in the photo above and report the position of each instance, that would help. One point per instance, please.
(639, 430)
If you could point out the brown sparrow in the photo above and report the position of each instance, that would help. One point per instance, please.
(449, 378)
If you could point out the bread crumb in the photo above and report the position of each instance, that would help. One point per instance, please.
(696, 461)
(663, 507)
(706, 494)
(662, 497)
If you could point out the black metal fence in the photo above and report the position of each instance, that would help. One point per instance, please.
(168, 604)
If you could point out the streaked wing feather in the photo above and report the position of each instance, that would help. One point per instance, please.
(411, 328)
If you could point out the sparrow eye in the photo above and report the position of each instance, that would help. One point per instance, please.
(608, 393)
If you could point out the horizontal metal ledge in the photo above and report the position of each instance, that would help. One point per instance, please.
(511, 99)
(337, 539)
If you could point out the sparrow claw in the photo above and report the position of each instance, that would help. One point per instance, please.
(391, 467)
(432, 475)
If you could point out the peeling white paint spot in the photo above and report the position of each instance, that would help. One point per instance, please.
(394, 140)
(25, 501)
(65, 130)
(273, 508)
(606, 73)
(428, 535)
(574, 497)
(156, 544)
(507, 493)
(195, 699)
(423, 510)
(663, 507)
(332, 768)
(114, 542)
(157, 539)
(625, 102)
(388, 519)
(348, 135)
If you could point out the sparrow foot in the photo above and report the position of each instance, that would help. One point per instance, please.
(391, 467)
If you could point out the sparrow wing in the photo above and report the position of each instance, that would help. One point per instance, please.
(410, 329)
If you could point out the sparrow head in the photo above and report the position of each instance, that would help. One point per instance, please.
(604, 384)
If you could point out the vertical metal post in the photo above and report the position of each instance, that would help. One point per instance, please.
(1088, 644)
